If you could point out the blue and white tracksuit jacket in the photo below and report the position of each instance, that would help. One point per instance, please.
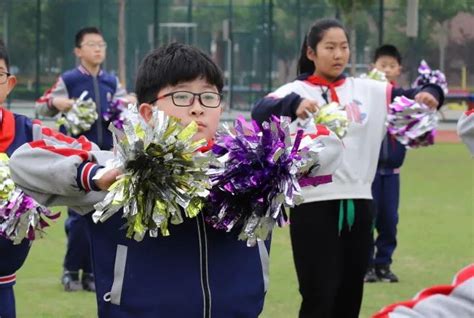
(15, 130)
(104, 89)
(197, 271)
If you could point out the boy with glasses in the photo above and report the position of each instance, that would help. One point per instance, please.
(104, 89)
(197, 271)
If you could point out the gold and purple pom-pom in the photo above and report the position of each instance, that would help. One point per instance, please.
(412, 124)
(376, 75)
(80, 117)
(21, 217)
(429, 76)
(256, 175)
(333, 116)
(115, 113)
(164, 175)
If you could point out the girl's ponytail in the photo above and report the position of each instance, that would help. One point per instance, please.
(305, 65)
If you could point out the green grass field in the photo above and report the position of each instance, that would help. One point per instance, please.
(436, 236)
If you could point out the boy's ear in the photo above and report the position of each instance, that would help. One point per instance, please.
(77, 52)
(11, 83)
(146, 111)
(222, 107)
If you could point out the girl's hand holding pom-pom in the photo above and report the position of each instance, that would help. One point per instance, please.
(306, 106)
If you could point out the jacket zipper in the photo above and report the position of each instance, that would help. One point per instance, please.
(99, 111)
(206, 291)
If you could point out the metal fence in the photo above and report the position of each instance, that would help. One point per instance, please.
(255, 42)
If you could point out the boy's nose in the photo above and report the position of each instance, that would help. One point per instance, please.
(196, 107)
(197, 111)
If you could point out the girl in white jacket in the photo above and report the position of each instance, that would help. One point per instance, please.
(330, 232)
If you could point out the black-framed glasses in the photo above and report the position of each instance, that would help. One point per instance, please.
(93, 45)
(186, 99)
(4, 77)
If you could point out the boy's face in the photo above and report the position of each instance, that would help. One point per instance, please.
(7, 83)
(389, 65)
(92, 49)
(207, 118)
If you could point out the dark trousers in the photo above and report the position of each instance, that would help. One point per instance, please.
(386, 193)
(330, 266)
(12, 258)
(78, 255)
(7, 302)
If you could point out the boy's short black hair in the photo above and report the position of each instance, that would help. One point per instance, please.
(82, 32)
(4, 54)
(173, 64)
(388, 50)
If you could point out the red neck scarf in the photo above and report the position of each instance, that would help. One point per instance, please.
(316, 80)
(207, 147)
(7, 129)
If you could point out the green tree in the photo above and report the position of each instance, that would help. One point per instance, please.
(434, 20)
(440, 13)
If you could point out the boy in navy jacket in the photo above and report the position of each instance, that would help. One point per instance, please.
(386, 185)
(104, 89)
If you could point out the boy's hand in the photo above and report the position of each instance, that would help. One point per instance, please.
(104, 182)
(427, 99)
(63, 104)
(132, 99)
(304, 106)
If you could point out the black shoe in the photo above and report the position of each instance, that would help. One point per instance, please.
(88, 282)
(385, 274)
(370, 276)
(71, 282)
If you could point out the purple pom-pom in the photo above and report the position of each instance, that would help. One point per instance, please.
(429, 76)
(256, 176)
(22, 217)
(115, 113)
(412, 124)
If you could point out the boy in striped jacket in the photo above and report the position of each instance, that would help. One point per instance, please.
(466, 129)
(455, 300)
(195, 272)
